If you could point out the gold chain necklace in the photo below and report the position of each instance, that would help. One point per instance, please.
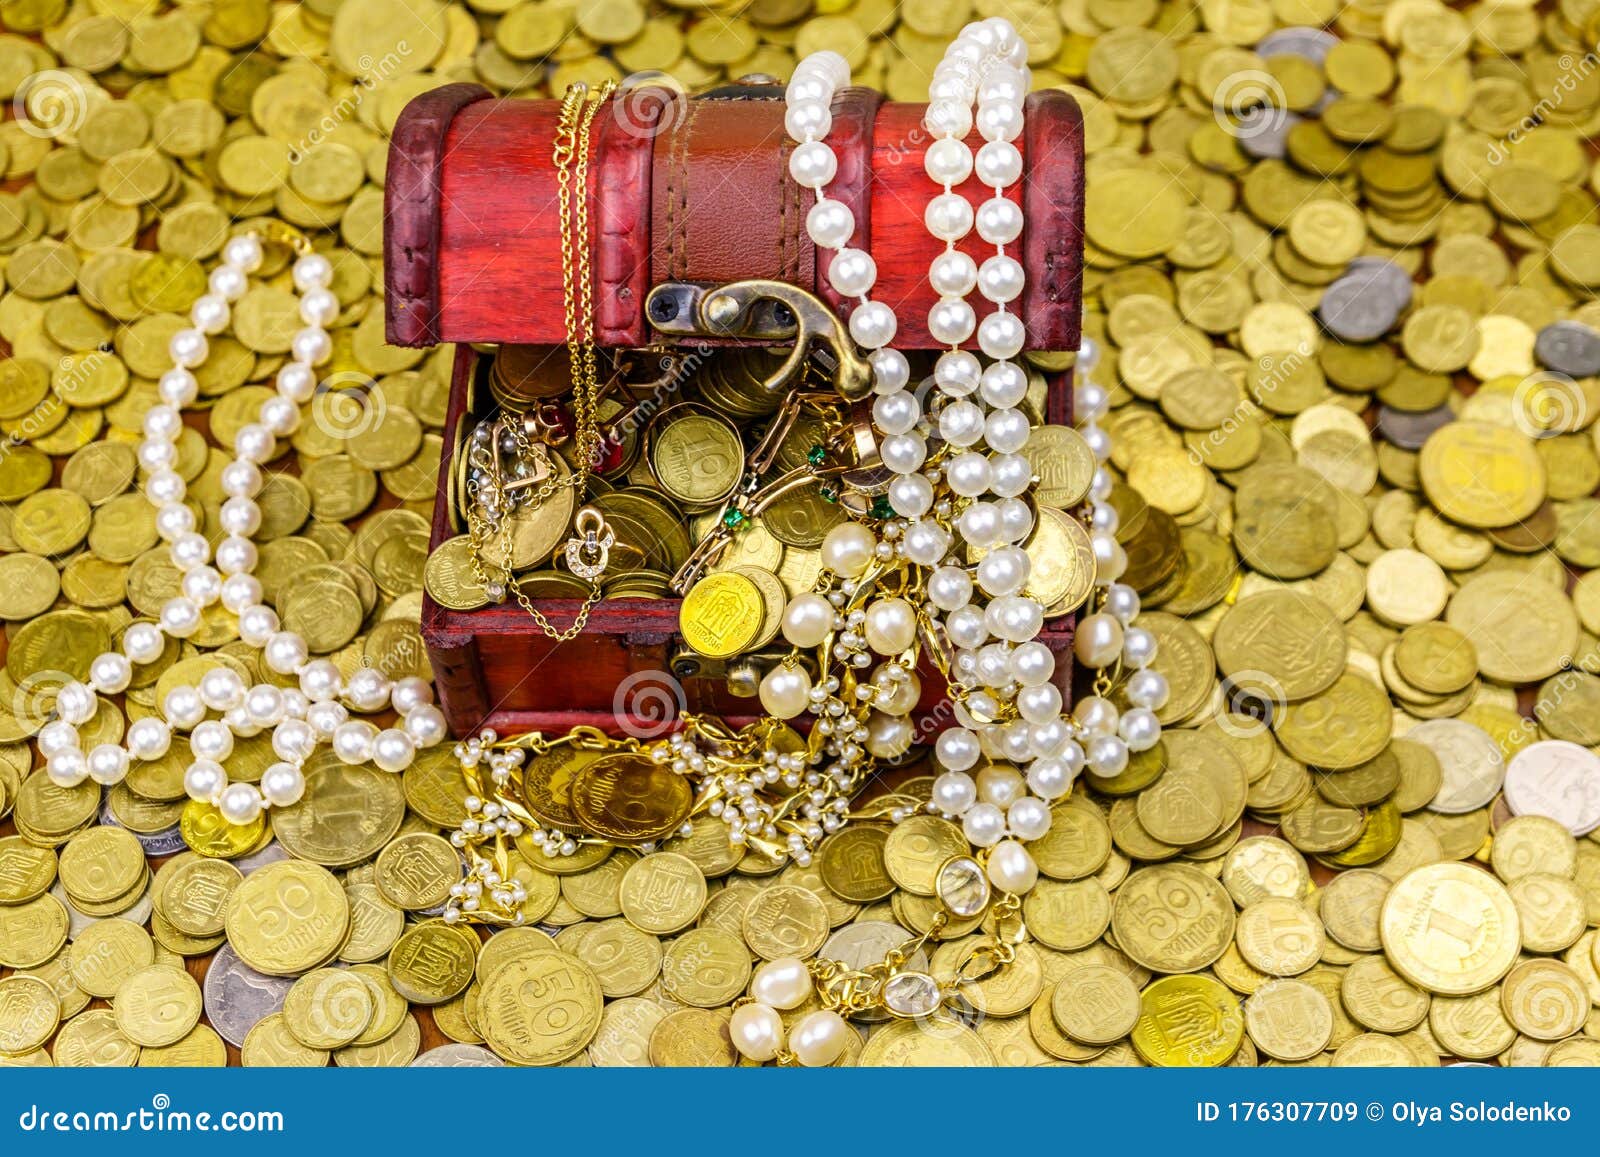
(572, 153)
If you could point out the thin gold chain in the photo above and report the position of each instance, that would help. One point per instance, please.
(572, 150)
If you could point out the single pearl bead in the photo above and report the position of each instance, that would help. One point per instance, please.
(1007, 431)
(1016, 519)
(1004, 571)
(202, 586)
(999, 221)
(904, 453)
(998, 164)
(173, 520)
(1004, 384)
(951, 321)
(183, 707)
(1011, 868)
(426, 726)
(56, 736)
(1000, 335)
(409, 693)
(1000, 279)
(1014, 618)
(757, 1031)
(953, 274)
(280, 415)
(957, 749)
(1010, 475)
(108, 764)
(999, 784)
(202, 780)
(189, 550)
(1098, 640)
(954, 792)
(264, 705)
(285, 651)
(848, 549)
(311, 345)
(312, 271)
(319, 307)
(807, 119)
(891, 626)
(948, 118)
(188, 347)
(948, 216)
(889, 736)
(984, 824)
(1095, 714)
(957, 373)
(148, 738)
(1138, 647)
(979, 524)
(1139, 728)
(326, 716)
(807, 620)
(896, 413)
(255, 443)
(367, 689)
(67, 768)
(393, 749)
(297, 382)
(1107, 755)
(210, 313)
(782, 983)
(211, 740)
(178, 387)
(1049, 738)
(283, 784)
(873, 325)
(257, 624)
(999, 121)
(241, 479)
(852, 272)
(926, 542)
(110, 673)
(967, 627)
(1146, 688)
(911, 495)
(1028, 818)
(1039, 704)
(785, 691)
(813, 164)
(809, 87)
(890, 369)
(1049, 778)
(294, 740)
(819, 1038)
(243, 252)
(240, 591)
(949, 588)
(352, 742)
(947, 162)
(240, 803)
(830, 224)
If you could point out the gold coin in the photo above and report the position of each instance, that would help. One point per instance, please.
(705, 968)
(1172, 918)
(1288, 1020)
(1545, 999)
(328, 1008)
(541, 1008)
(287, 917)
(692, 1037)
(663, 893)
(935, 1042)
(157, 1006)
(270, 1044)
(1188, 1021)
(29, 1014)
(917, 848)
(1482, 475)
(630, 799)
(851, 861)
(1340, 727)
(416, 871)
(1095, 1004)
(721, 615)
(1450, 928)
(433, 961)
(1279, 937)
(32, 932)
(785, 920)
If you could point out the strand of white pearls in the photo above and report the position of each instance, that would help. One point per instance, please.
(998, 660)
(300, 718)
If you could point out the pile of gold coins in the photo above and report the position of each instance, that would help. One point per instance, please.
(1340, 274)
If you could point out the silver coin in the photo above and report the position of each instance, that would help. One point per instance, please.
(237, 996)
(1393, 280)
(1569, 347)
(270, 854)
(1473, 768)
(866, 943)
(1410, 429)
(458, 1056)
(1311, 43)
(1559, 780)
(1353, 311)
(1263, 132)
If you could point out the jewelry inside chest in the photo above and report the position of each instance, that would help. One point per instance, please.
(685, 199)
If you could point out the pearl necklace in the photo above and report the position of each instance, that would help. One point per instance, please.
(300, 718)
(999, 662)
